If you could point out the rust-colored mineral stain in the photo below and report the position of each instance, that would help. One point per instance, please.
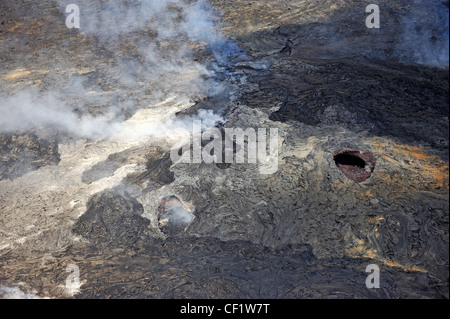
(16, 74)
(355, 164)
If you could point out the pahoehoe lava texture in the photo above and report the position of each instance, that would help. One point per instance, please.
(112, 219)
(22, 153)
(351, 104)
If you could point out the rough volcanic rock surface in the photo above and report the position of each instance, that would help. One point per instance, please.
(310, 69)
(112, 219)
(25, 152)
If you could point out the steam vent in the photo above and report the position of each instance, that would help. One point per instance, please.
(173, 215)
(217, 149)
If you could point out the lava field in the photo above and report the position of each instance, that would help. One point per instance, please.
(101, 123)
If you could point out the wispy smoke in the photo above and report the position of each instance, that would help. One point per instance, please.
(165, 37)
(15, 293)
(180, 216)
(164, 34)
(29, 110)
(425, 39)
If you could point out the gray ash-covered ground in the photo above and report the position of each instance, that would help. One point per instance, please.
(311, 69)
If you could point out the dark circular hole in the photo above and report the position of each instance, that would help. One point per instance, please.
(349, 159)
(356, 165)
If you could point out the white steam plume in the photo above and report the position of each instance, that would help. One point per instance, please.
(179, 215)
(425, 39)
(163, 33)
(27, 110)
(15, 293)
